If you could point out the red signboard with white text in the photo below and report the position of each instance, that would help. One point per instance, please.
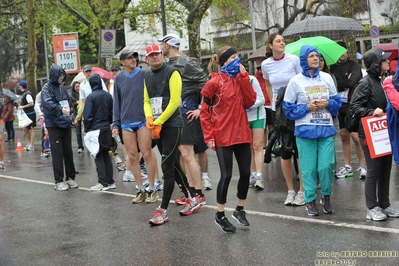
(376, 131)
(66, 52)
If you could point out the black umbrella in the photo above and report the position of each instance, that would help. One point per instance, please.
(10, 94)
(328, 26)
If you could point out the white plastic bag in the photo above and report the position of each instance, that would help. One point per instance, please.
(91, 142)
(23, 119)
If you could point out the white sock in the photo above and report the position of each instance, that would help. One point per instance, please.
(348, 166)
(253, 173)
(204, 175)
(291, 191)
(301, 192)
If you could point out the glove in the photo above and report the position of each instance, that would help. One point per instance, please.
(156, 132)
(150, 123)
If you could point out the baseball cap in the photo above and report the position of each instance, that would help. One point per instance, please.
(87, 68)
(22, 83)
(127, 54)
(152, 49)
(171, 39)
(385, 55)
(115, 67)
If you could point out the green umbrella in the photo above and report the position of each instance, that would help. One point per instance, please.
(330, 50)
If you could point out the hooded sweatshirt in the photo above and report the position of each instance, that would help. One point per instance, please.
(97, 112)
(369, 94)
(305, 88)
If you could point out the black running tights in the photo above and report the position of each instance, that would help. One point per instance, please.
(242, 153)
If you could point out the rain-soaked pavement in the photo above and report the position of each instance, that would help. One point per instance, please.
(41, 226)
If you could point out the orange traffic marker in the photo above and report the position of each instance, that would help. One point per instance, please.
(19, 146)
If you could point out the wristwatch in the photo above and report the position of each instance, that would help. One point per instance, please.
(199, 106)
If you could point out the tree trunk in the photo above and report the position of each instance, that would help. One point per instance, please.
(32, 51)
(196, 9)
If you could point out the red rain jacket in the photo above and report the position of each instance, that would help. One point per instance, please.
(226, 120)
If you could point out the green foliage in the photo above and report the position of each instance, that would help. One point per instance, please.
(230, 12)
(13, 37)
(148, 12)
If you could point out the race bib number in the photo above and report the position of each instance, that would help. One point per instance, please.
(156, 106)
(344, 95)
(65, 104)
(320, 117)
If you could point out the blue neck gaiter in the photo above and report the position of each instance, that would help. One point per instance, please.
(233, 68)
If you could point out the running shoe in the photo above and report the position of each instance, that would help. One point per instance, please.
(225, 225)
(61, 186)
(206, 183)
(189, 207)
(363, 172)
(312, 209)
(344, 171)
(201, 199)
(259, 183)
(327, 208)
(128, 177)
(99, 187)
(252, 181)
(390, 212)
(240, 217)
(290, 198)
(181, 201)
(141, 195)
(160, 217)
(158, 185)
(72, 183)
(2, 167)
(151, 197)
(376, 214)
(299, 199)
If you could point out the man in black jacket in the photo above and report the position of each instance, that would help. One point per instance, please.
(347, 73)
(97, 115)
(56, 110)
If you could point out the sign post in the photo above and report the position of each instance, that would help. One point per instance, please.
(107, 43)
(66, 51)
(374, 32)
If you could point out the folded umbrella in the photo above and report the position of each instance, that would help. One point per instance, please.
(330, 50)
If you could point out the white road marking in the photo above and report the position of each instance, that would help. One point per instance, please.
(265, 214)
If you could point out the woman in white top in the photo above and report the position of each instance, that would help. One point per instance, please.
(257, 120)
(278, 69)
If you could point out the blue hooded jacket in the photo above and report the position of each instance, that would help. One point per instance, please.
(53, 94)
(295, 111)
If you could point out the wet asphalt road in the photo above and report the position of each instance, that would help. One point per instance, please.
(41, 226)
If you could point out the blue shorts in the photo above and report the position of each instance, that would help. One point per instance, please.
(133, 127)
